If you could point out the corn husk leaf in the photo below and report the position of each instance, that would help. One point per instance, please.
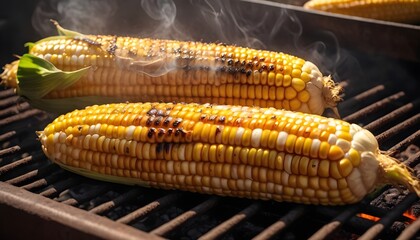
(37, 77)
(65, 32)
(29, 45)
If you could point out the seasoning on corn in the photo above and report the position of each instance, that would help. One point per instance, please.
(105, 69)
(405, 11)
(260, 153)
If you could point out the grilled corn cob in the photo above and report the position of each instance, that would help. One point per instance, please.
(110, 69)
(405, 11)
(260, 153)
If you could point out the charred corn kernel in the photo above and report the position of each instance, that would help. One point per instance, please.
(407, 11)
(270, 154)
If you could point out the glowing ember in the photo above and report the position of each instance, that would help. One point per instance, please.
(369, 217)
(408, 214)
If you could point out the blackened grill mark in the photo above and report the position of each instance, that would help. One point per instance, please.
(159, 147)
(169, 132)
(158, 120)
(248, 73)
(167, 121)
(167, 147)
(222, 119)
(150, 120)
(212, 117)
(112, 46)
(218, 131)
(230, 62)
(151, 132)
(161, 132)
(161, 113)
(177, 122)
(89, 41)
(271, 67)
(152, 112)
(232, 70)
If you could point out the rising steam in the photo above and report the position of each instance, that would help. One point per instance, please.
(231, 22)
(86, 16)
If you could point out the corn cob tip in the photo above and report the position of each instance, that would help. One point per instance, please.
(8, 76)
(331, 93)
(397, 172)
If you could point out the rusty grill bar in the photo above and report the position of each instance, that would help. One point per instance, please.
(173, 214)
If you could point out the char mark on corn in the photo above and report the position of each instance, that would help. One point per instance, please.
(153, 70)
(260, 153)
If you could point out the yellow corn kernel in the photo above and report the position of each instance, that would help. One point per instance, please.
(229, 150)
(406, 11)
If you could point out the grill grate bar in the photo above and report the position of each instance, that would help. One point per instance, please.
(412, 160)
(333, 226)
(15, 164)
(410, 231)
(392, 116)
(8, 101)
(61, 186)
(118, 201)
(35, 157)
(44, 181)
(9, 150)
(373, 107)
(362, 96)
(19, 117)
(34, 173)
(409, 123)
(407, 141)
(153, 206)
(15, 109)
(7, 135)
(4, 93)
(389, 219)
(186, 216)
(285, 221)
(89, 195)
(227, 225)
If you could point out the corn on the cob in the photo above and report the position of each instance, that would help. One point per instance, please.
(405, 11)
(260, 153)
(134, 69)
